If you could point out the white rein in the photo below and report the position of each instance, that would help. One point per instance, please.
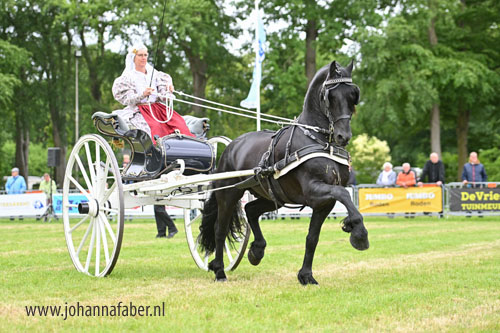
(169, 110)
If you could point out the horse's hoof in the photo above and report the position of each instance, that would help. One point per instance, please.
(359, 238)
(220, 276)
(253, 259)
(306, 279)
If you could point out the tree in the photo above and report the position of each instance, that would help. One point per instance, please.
(368, 154)
(416, 78)
(397, 85)
(12, 61)
(324, 26)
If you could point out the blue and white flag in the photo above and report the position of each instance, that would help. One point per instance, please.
(251, 102)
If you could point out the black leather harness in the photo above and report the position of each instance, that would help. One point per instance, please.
(268, 168)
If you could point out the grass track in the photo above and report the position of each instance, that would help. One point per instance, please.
(421, 274)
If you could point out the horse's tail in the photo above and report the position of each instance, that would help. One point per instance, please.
(209, 218)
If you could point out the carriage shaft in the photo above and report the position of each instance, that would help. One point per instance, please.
(171, 181)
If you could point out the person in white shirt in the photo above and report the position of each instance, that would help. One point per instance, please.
(141, 89)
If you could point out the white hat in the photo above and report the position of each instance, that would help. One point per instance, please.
(129, 59)
(15, 170)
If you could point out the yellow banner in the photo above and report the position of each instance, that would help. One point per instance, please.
(401, 200)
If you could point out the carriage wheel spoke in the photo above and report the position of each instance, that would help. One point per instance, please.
(91, 166)
(104, 240)
(84, 192)
(79, 223)
(228, 251)
(84, 173)
(195, 245)
(110, 210)
(108, 228)
(206, 259)
(108, 192)
(84, 238)
(97, 165)
(104, 177)
(71, 205)
(192, 221)
(91, 249)
(97, 155)
(97, 246)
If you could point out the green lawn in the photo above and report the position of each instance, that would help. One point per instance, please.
(420, 274)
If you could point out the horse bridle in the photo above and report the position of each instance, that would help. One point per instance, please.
(332, 84)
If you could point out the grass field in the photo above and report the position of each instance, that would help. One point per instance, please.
(420, 274)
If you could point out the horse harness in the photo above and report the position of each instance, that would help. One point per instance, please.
(269, 171)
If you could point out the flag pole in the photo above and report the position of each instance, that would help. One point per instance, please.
(257, 54)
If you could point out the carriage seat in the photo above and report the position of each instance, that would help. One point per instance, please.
(198, 126)
(113, 124)
(110, 123)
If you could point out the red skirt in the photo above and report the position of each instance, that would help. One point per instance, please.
(162, 129)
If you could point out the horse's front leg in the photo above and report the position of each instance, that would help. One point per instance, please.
(353, 223)
(318, 217)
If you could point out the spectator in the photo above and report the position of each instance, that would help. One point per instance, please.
(474, 171)
(46, 184)
(387, 177)
(433, 171)
(406, 177)
(16, 183)
(126, 160)
(163, 220)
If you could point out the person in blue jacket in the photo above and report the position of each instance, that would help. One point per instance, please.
(474, 171)
(16, 183)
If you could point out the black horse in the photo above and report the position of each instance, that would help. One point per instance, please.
(323, 126)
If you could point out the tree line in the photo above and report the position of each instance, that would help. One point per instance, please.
(428, 70)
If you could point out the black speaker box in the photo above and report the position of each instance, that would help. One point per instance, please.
(53, 157)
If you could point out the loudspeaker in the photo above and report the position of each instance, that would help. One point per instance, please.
(53, 157)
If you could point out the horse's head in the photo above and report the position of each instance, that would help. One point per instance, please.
(338, 99)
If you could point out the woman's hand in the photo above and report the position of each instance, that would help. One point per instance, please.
(148, 92)
(170, 88)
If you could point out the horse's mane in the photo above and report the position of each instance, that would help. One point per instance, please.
(312, 99)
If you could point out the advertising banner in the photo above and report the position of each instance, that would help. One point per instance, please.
(23, 204)
(401, 200)
(474, 199)
(73, 199)
(144, 211)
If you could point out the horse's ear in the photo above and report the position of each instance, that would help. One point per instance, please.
(350, 67)
(332, 70)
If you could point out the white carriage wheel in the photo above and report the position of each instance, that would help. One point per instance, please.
(233, 252)
(97, 224)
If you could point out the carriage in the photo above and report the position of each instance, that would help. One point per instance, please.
(304, 163)
(175, 171)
